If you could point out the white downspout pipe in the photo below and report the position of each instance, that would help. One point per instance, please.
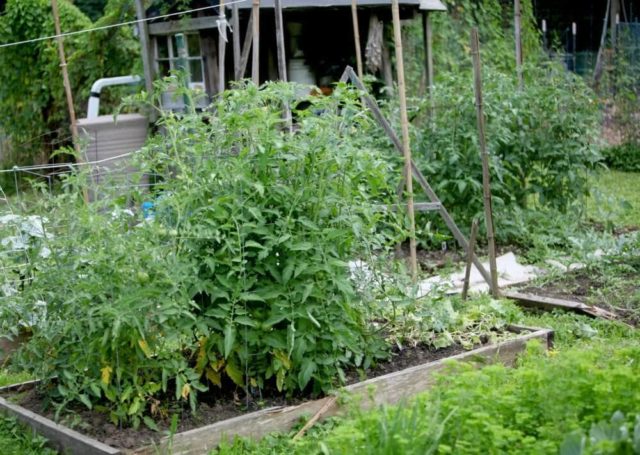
(94, 98)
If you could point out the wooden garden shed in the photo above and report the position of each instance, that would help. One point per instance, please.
(318, 40)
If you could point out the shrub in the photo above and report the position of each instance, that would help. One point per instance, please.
(540, 140)
(624, 157)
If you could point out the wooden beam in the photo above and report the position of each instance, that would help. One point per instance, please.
(255, 64)
(356, 37)
(406, 146)
(191, 24)
(145, 46)
(222, 46)
(486, 177)
(235, 23)
(282, 58)
(246, 48)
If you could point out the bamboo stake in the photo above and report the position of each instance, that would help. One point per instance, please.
(470, 254)
(67, 89)
(235, 22)
(356, 37)
(486, 179)
(255, 64)
(517, 19)
(317, 416)
(222, 46)
(406, 146)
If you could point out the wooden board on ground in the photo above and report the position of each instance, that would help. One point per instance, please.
(551, 303)
(388, 389)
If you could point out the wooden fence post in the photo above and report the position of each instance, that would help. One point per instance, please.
(356, 37)
(255, 65)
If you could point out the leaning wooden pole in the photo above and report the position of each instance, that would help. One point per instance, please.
(222, 46)
(67, 89)
(517, 24)
(356, 38)
(486, 179)
(406, 146)
(255, 63)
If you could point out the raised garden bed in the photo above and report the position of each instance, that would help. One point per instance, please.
(389, 388)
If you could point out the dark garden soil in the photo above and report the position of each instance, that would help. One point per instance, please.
(215, 407)
(614, 289)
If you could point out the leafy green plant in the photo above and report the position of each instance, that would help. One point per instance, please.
(238, 282)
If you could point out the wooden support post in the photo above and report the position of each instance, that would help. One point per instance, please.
(406, 146)
(255, 64)
(486, 179)
(356, 38)
(67, 89)
(517, 21)
(222, 46)
(145, 45)
(368, 100)
(282, 59)
(235, 23)
(428, 48)
(470, 254)
(246, 48)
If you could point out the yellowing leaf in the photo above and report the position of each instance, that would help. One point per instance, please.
(283, 358)
(214, 377)
(234, 373)
(217, 365)
(253, 382)
(106, 374)
(201, 360)
(186, 389)
(280, 380)
(145, 347)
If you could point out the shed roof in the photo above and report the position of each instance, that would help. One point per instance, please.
(429, 5)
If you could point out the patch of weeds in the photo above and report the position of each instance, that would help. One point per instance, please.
(615, 201)
(16, 439)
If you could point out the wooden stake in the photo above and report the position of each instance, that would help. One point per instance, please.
(397, 35)
(597, 72)
(222, 46)
(486, 179)
(255, 64)
(67, 89)
(235, 22)
(356, 37)
(517, 20)
(470, 254)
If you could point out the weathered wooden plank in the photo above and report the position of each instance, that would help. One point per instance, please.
(551, 303)
(62, 438)
(418, 207)
(186, 25)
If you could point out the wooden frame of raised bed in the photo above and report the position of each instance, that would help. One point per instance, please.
(389, 389)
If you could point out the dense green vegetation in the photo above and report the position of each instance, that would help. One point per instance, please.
(32, 99)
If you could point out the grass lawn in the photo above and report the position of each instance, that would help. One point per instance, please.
(616, 199)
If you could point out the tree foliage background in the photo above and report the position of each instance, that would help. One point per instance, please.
(33, 111)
